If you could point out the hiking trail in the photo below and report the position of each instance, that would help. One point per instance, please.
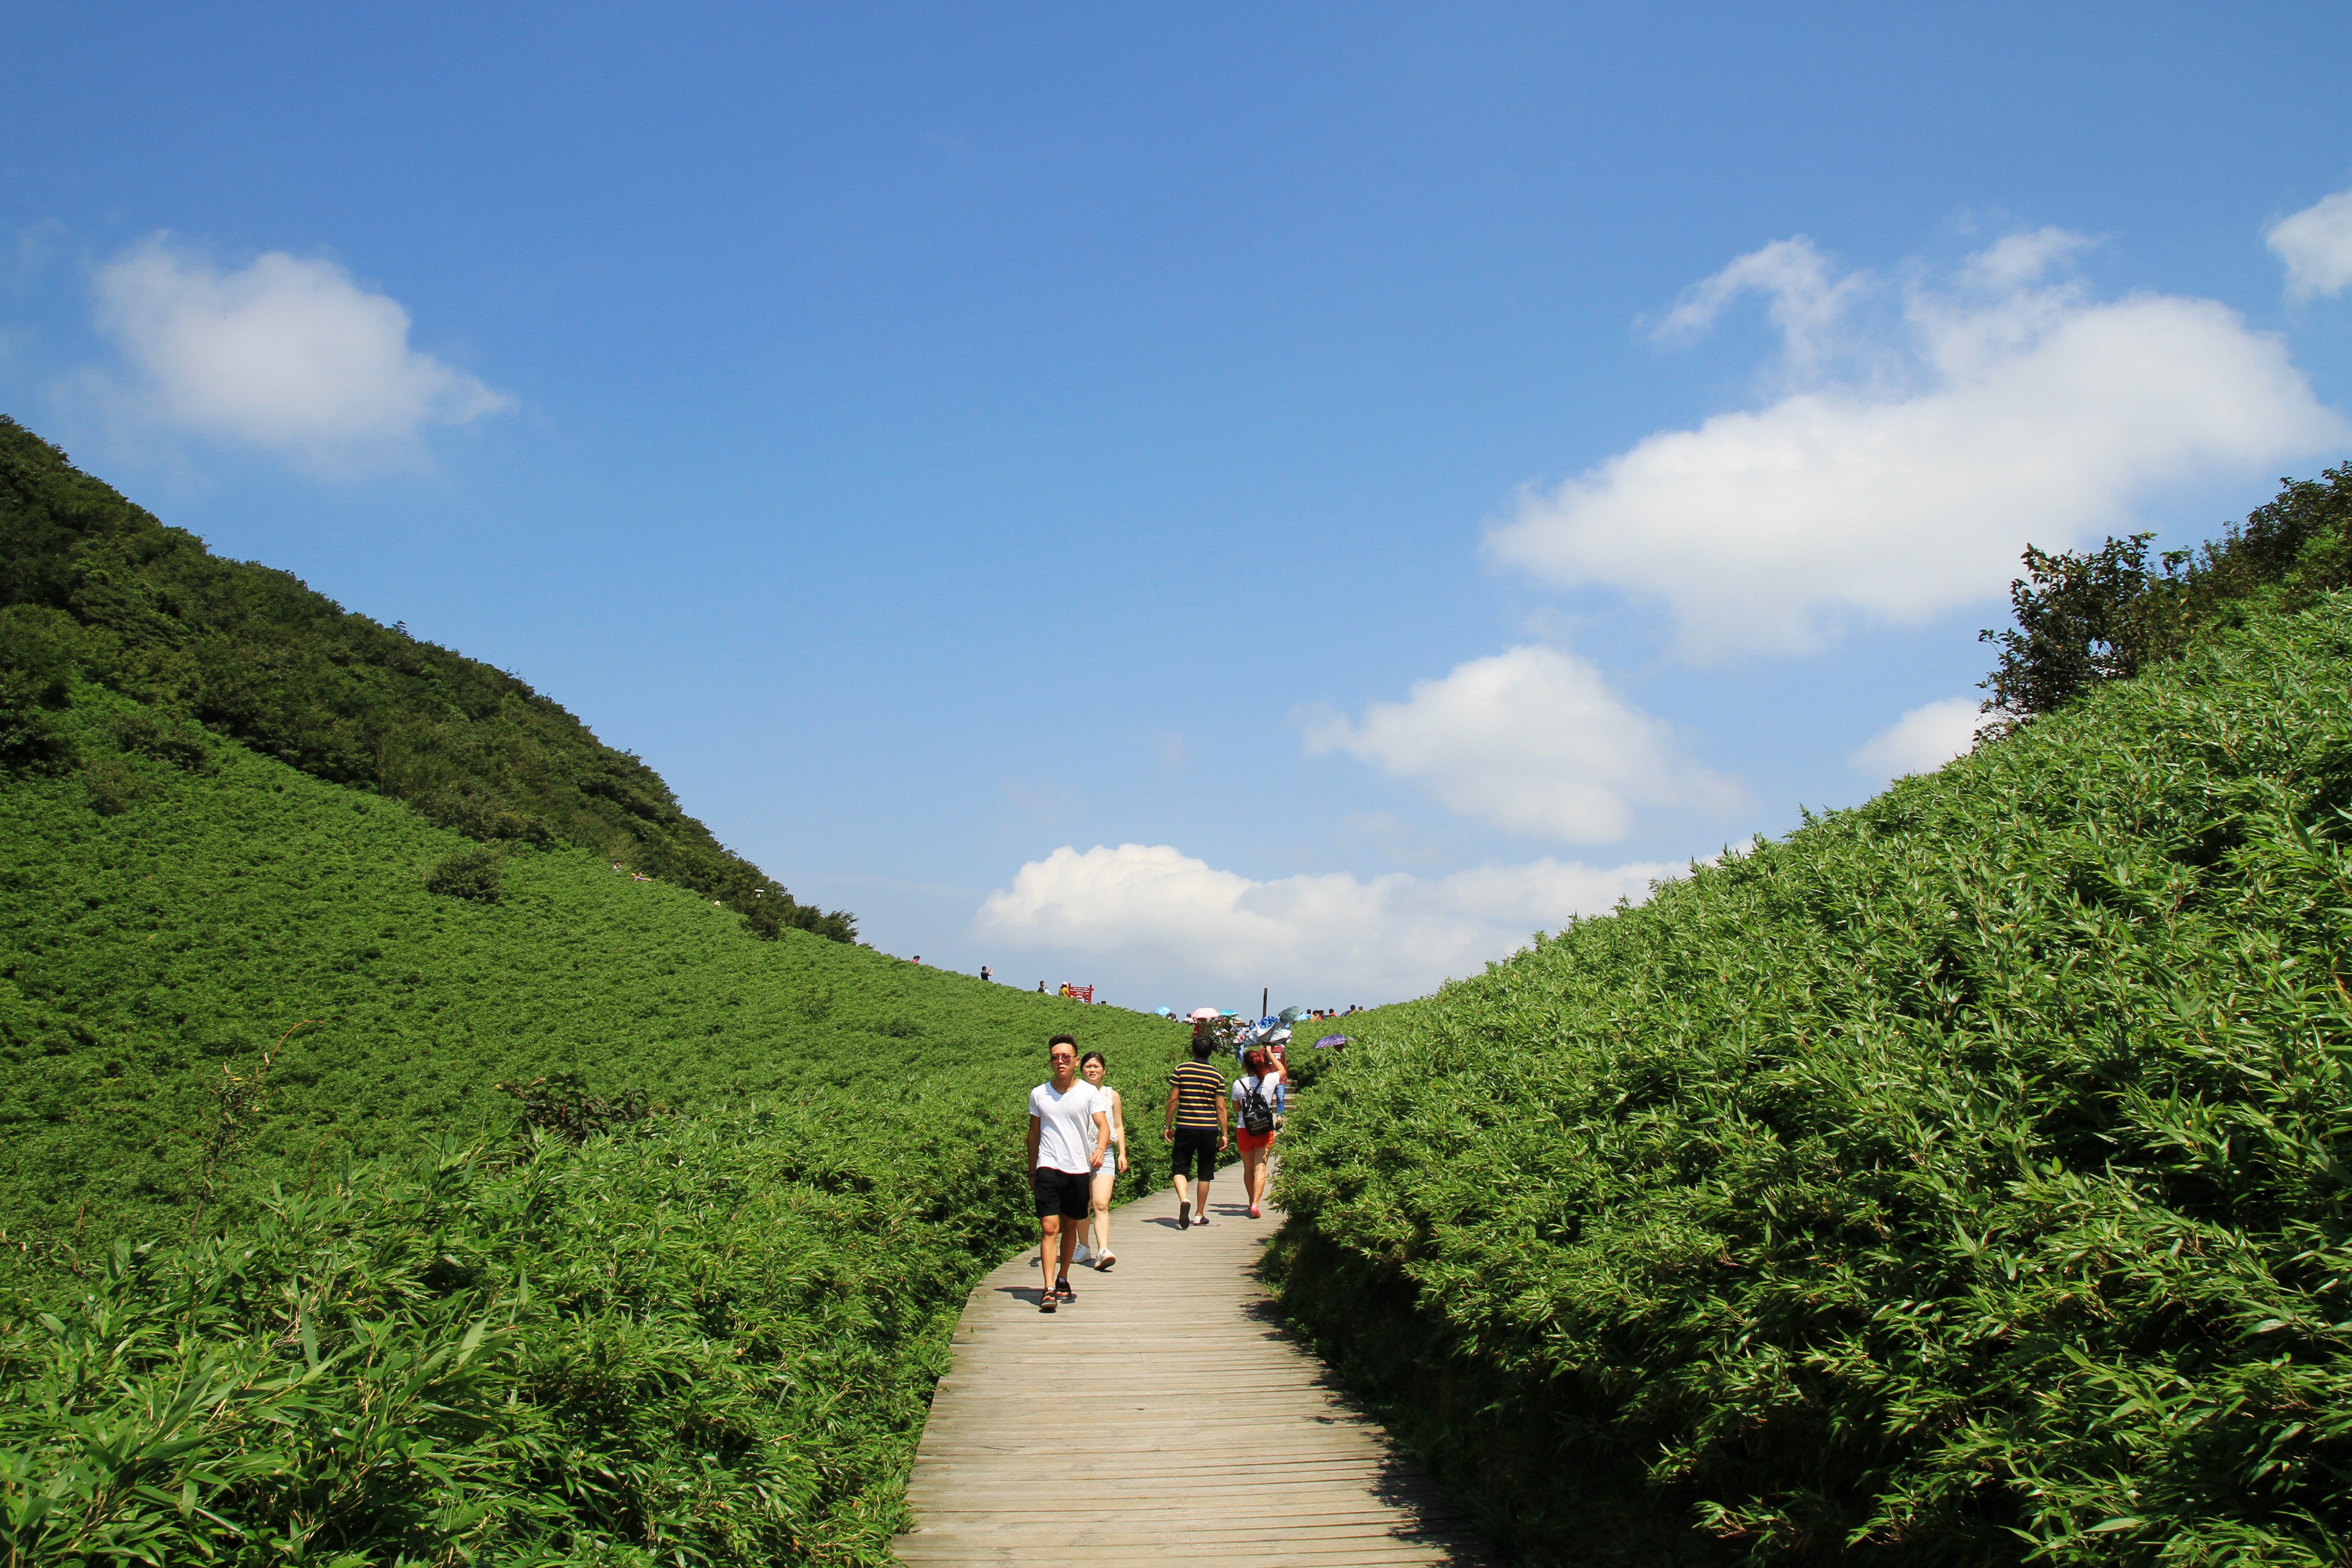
(1164, 1415)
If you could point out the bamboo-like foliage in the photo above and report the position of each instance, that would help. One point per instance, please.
(695, 1319)
(711, 1343)
(1961, 1179)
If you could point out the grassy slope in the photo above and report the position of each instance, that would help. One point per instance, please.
(142, 952)
(95, 587)
(711, 1341)
(1969, 1175)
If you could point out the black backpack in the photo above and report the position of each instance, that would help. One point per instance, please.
(1257, 1116)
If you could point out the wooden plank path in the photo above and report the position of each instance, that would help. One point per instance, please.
(1163, 1417)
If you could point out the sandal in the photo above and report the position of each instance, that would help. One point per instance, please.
(1046, 1302)
(1062, 1289)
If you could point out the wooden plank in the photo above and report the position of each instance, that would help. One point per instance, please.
(1164, 1415)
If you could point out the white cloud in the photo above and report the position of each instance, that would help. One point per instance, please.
(1331, 937)
(1922, 741)
(2315, 245)
(1996, 409)
(287, 355)
(1807, 304)
(1532, 741)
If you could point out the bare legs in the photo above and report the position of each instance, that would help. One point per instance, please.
(1256, 1167)
(1105, 1180)
(1053, 1251)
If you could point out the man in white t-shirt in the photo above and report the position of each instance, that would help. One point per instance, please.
(1069, 1130)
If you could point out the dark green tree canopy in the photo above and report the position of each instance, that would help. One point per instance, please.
(2085, 617)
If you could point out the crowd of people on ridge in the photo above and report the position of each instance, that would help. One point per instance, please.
(1078, 1146)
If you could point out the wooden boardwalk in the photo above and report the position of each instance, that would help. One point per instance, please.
(1163, 1417)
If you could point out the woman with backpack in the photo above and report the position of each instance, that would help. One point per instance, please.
(1258, 1102)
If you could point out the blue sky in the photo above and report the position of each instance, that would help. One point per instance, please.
(1192, 499)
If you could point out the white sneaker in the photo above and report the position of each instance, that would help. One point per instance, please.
(1084, 1254)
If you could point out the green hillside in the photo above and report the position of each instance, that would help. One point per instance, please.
(148, 944)
(706, 1336)
(286, 1275)
(93, 588)
(1966, 1178)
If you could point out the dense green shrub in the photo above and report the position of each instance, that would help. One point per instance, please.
(564, 1106)
(1964, 1179)
(144, 733)
(94, 586)
(474, 872)
(36, 677)
(114, 785)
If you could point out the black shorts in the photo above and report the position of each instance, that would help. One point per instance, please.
(1065, 1192)
(1196, 1146)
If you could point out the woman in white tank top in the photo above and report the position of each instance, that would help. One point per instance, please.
(1097, 1251)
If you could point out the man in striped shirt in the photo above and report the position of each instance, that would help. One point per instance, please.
(1195, 1125)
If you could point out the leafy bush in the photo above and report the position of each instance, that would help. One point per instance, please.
(1963, 1179)
(146, 734)
(114, 785)
(561, 1105)
(36, 672)
(475, 873)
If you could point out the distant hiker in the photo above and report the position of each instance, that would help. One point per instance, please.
(1258, 1104)
(983, 972)
(1195, 1125)
(1041, 988)
(1069, 1128)
(917, 959)
(1096, 1248)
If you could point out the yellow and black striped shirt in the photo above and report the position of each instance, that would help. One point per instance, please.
(1199, 1090)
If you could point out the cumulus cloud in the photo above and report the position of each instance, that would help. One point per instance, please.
(1917, 446)
(1392, 936)
(1532, 741)
(287, 355)
(1922, 741)
(2316, 246)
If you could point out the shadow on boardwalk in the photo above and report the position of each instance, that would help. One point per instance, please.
(1165, 1415)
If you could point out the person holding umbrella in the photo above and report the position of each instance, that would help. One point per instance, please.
(1258, 1104)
